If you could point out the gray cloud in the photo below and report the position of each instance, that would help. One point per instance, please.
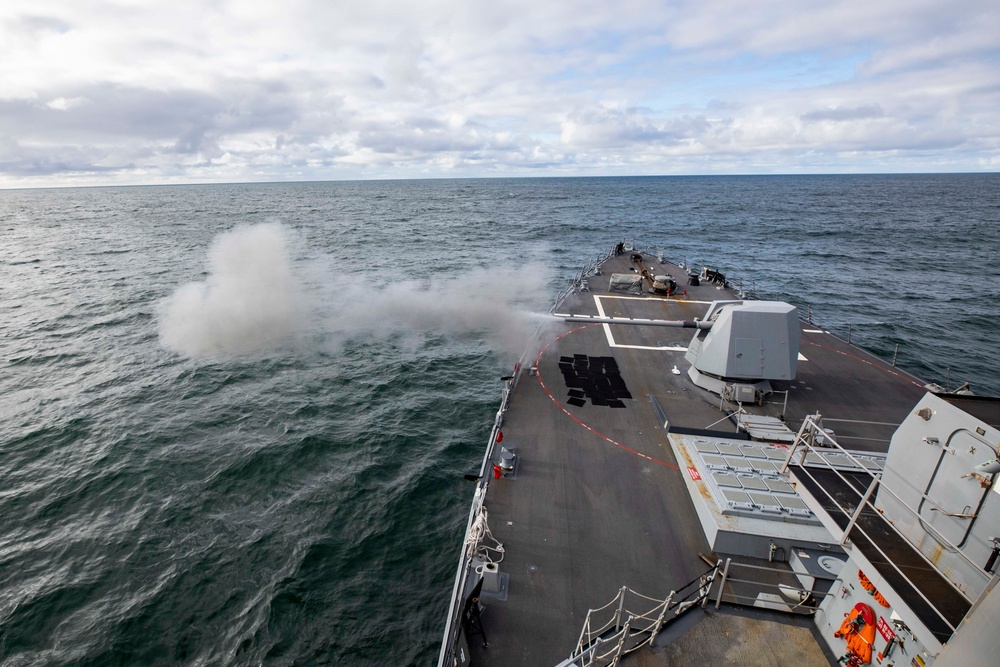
(36, 26)
(616, 128)
(842, 113)
(113, 110)
(391, 89)
(53, 161)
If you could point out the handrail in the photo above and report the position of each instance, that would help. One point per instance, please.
(810, 427)
(453, 624)
(459, 590)
(734, 598)
(883, 489)
(581, 275)
(605, 643)
(465, 560)
(632, 246)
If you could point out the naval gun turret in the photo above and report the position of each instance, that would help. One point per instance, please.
(748, 344)
(739, 348)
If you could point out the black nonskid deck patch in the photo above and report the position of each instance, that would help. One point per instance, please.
(596, 378)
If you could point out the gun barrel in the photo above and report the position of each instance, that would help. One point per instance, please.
(594, 319)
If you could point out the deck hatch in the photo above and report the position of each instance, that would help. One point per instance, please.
(753, 452)
(765, 501)
(730, 450)
(816, 460)
(714, 461)
(870, 464)
(752, 482)
(793, 504)
(737, 499)
(779, 486)
(727, 479)
(738, 463)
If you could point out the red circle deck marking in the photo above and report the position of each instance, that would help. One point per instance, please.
(538, 374)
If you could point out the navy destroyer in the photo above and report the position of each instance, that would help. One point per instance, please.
(680, 474)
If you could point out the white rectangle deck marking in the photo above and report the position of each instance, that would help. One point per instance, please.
(644, 298)
(611, 338)
(607, 327)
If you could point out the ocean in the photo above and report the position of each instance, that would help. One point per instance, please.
(235, 419)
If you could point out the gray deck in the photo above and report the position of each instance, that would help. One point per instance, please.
(736, 636)
(598, 501)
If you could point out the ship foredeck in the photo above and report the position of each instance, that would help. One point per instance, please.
(597, 500)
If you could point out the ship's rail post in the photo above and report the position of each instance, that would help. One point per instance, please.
(585, 632)
(860, 508)
(707, 582)
(620, 648)
(886, 492)
(800, 438)
(660, 618)
(722, 583)
(621, 608)
(628, 627)
(590, 637)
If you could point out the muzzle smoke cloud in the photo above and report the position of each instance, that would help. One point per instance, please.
(249, 301)
(256, 298)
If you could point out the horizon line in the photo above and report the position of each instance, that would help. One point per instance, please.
(498, 178)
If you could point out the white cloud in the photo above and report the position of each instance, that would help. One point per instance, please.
(104, 92)
(63, 104)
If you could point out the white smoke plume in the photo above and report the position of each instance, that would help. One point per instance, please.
(256, 298)
(249, 301)
(494, 304)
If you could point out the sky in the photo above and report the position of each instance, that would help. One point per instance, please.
(100, 92)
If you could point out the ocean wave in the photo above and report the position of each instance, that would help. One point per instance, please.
(305, 504)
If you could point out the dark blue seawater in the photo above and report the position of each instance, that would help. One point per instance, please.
(303, 503)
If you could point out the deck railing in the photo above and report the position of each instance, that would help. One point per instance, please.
(632, 620)
(579, 282)
(754, 582)
(804, 445)
(471, 544)
(460, 588)
(473, 538)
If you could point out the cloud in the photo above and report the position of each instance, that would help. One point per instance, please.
(32, 24)
(310, 89)
(614, 127)
(32, 162)
(841, 113)
(115, 110)
(64, 104)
